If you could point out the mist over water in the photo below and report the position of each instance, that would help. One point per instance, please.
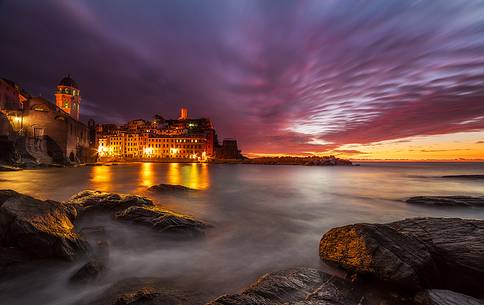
(265, 218)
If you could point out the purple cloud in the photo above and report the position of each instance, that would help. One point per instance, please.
(281, 76)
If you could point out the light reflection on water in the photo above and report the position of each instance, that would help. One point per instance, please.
(265, 217)
(101, 177)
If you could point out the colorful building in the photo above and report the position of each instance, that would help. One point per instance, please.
(185, 138)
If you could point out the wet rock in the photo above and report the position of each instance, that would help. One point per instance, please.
(89, 272)
(164, 221)
(167, 188)
(302, 286)
(464, 176)
(448, 201)
(7, 194)
(413, 253)
(147, 291)
(96, 200)
(457, 247)
(445, 297)
(42, 229)
(381, 252)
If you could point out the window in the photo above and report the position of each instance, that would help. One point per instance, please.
(40, 107)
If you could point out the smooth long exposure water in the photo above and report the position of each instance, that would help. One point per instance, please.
(265, 218)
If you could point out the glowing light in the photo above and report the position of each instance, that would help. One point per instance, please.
(103, 150)
(173, 150)
(147, 151)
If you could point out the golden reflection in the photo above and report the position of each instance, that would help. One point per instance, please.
(147, 174)
(174, 175)
(101, 177)
(194, 175)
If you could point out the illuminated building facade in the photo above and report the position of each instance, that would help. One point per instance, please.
(43, 131)
(185, 138)
(68, 98)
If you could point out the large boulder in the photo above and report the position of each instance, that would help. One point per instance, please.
(163, 221)
(457, 247)
(412, 253)
(96, 200)
(381, 252)
(146, 291)
(445, 297)
(302, 286)
(447, 201)
(42, 229)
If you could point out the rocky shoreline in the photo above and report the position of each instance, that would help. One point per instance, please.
(287, 160)
(424, 261)
(306, 161)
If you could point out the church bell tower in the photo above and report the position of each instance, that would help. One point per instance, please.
(67, 97)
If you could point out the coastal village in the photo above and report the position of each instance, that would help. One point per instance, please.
(34, 129)
(37, 132)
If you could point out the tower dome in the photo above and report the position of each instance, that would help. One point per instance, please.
(68, 82)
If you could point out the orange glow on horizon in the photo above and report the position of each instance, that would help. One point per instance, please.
(460, 147)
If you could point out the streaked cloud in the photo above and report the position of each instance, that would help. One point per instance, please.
(281, 76)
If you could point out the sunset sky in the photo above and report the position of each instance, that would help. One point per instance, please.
(359, 79)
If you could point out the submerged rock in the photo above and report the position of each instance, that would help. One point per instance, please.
(446, 297)
(448, 201)
(164, 221)
(380, 252)
(464, 176)
(166, 188)
(42, 229)
(413, 253)
(301, 286)
(96, 200)
(89, 272)
(152, 291)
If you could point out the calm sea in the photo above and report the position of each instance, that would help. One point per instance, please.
(265, 217)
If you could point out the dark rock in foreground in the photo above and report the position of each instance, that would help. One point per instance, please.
(302, 286)
(167, 188)
(96, 200)
(381, 252)
(42, 229)
(464, 176)
(89, 272)
(448, 201)
(413, 253)
(164, 221)
(147, 291)
(457, 247)
(445, 297)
